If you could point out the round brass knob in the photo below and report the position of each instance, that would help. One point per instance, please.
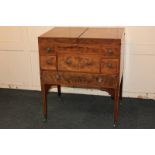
(100, 79)
(110, 51)
(109, 65)
(68, 61)
(48, 49)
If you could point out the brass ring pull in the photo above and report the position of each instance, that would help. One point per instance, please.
(48, 49)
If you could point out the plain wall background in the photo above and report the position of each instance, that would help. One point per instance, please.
(19, 63)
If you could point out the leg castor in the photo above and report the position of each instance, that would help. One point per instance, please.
(114, 125)
(44, 118)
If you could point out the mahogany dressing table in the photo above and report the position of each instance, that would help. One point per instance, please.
(82, 57)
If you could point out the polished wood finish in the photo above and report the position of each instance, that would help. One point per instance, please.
(106, 51)
(79, 79)
(109, 66)
(48, 63)
(82, 57)
(103, 33)
(79, 63)
(64, 32)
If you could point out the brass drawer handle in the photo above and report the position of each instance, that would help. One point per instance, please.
(109, 65)
(49, 62)
(110, 51)
(100, 80)
(68, 61)
(48, 49)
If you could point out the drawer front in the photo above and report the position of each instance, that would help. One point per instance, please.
(48, 62)
(105, 51)
(46, 47)
(80, 79)
(79, 63)
(109, 66)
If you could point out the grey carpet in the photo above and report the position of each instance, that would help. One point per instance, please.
(21, 109)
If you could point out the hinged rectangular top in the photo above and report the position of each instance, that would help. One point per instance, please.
(64, 32)
(84, 32)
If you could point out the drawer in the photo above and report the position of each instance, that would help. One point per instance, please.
(105, 51)
(109, 66)
(48, 62)
(79, 79)
(79, 63)
(46, 47)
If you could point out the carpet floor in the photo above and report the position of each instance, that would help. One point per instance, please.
(21, 109)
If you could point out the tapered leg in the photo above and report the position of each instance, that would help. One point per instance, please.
(59, 90)
(116, 107)
(121, 89)
(44, 100)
